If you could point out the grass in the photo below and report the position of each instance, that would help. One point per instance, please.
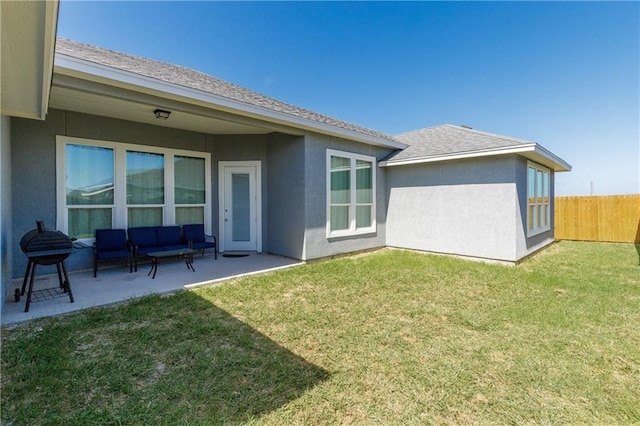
(387, 337)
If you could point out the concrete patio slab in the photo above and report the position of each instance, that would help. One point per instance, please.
(117, 284)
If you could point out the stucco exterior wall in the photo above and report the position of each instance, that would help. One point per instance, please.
(6, 236)
(239, 148)
(33, 167)
(285, 225)
(465, 207)
(316, 243)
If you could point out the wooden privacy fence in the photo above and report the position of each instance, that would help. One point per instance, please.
(614, 218)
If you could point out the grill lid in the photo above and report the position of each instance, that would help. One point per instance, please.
(45, 240)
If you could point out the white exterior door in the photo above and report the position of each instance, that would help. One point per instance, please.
(240, 206)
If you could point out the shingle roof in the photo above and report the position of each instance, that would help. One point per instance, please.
(192, 79)
(448, 139)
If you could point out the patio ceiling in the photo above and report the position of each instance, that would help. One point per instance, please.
(68, 93)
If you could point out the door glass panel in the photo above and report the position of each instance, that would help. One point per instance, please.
(240, 207)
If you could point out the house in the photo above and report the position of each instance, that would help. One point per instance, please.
(459, 191)
(93, 138)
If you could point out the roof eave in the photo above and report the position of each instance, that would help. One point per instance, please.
(91, 71)
(27, 18)
(50, 31)
(533, 152)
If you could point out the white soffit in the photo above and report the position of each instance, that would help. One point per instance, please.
(27, 33)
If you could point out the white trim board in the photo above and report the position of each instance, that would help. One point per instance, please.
(532, 152)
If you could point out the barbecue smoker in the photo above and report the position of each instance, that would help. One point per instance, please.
(45, 247)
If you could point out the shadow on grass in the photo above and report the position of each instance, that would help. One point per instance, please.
(171, 360)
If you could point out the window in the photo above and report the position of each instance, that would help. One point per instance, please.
(89, 189)
(145, 188)
(189, 189)
(113, 185)
(350, 194)
(538, 206)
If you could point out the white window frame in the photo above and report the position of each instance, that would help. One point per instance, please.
(352, 230)
(119, 218)
(536, 204)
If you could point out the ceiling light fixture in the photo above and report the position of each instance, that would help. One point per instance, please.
(162, 114)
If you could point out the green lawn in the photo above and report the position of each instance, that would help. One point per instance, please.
(387, 337)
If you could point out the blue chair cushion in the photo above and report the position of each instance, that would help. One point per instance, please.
(194, 233)
(112, 254)
(111, 240)
(168, 236)
(199, 245)
(144, 236)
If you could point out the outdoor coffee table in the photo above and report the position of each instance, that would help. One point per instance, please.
(186, 254)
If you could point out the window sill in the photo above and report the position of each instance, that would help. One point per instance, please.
(348, 234)
(534, 232)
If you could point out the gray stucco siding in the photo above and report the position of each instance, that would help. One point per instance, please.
(33, 169)
(239, 148)
(465, 207)
(114, 130)
(285, 169)
(317, 244)
(6, 225)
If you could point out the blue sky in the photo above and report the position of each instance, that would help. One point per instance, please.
(565, 74)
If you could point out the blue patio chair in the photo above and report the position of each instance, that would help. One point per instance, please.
(198, 240)
(111, 244)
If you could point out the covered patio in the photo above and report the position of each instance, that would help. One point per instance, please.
(115, 285)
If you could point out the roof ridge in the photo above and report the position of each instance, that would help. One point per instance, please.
(493, 135)
(424, 128)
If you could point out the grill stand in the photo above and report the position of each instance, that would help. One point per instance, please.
(46, 293)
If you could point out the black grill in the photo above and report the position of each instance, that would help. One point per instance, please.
(45, 247)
